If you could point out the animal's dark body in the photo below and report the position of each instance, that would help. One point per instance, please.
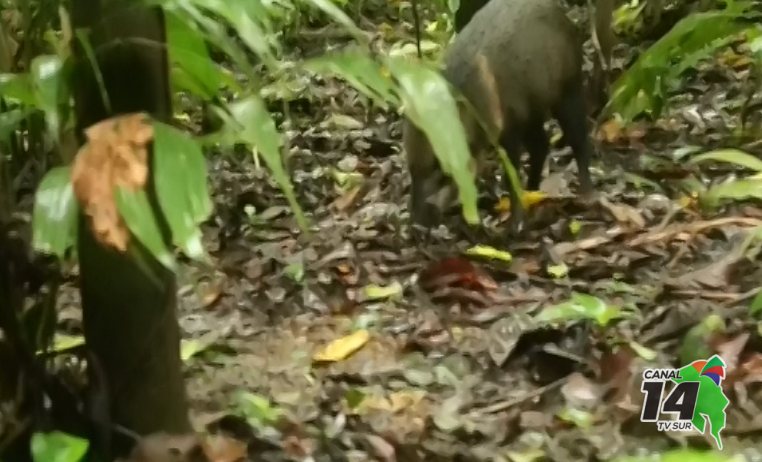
(517, 62)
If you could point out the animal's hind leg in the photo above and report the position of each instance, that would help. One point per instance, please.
(572, 116)
(536, 142)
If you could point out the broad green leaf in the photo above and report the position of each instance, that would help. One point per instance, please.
(251, 28)
(256, 409)
(642, 87)
(181, 186)
(17, 87)
(430, 106)
(192, 67)
(252, 123)
(360, 70)
(733, 190)
(581, 306)
(54, 218)
(58, 447)
(46, 78)
(733, 156)
(212, 30)
(138, 215)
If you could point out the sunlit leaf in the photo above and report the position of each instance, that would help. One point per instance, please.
(489, 252)
(58, 447)
(54, 219)
(191, 347)
(342, 347)
(17, 87)
(181, 187)
(430, 106)
(48, 85)
(732, 190)
(558, 271)
(63, 342)
(256, 409)
(581, 306)
(733, 156)
(376, 292)
(136, 210)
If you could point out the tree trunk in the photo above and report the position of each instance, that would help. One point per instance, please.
(129, 319)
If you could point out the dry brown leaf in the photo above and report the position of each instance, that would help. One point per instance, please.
(115, 155)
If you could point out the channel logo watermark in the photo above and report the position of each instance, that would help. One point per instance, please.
(694, 402)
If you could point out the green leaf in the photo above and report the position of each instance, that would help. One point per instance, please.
(249, 23)
(256, 409)
(580, 307)
(181, 186)
(377, 292)
(212, 30)
(359, 69)
(136, 211)
(430, 106)
(251, 123)
(57, 447)
(54, 218)
(732, 156)
(489, 252)
(733, 190)
(17, 87)
(642, 87)
(193, 69)
(46, 79)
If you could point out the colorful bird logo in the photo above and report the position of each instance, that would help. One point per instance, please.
(714, 369)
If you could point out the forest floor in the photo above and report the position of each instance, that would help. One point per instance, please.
(457, 364)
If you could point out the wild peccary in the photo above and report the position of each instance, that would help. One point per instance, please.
(516, 62)
(466, 11)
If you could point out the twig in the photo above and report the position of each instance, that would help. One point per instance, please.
(503, 405)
